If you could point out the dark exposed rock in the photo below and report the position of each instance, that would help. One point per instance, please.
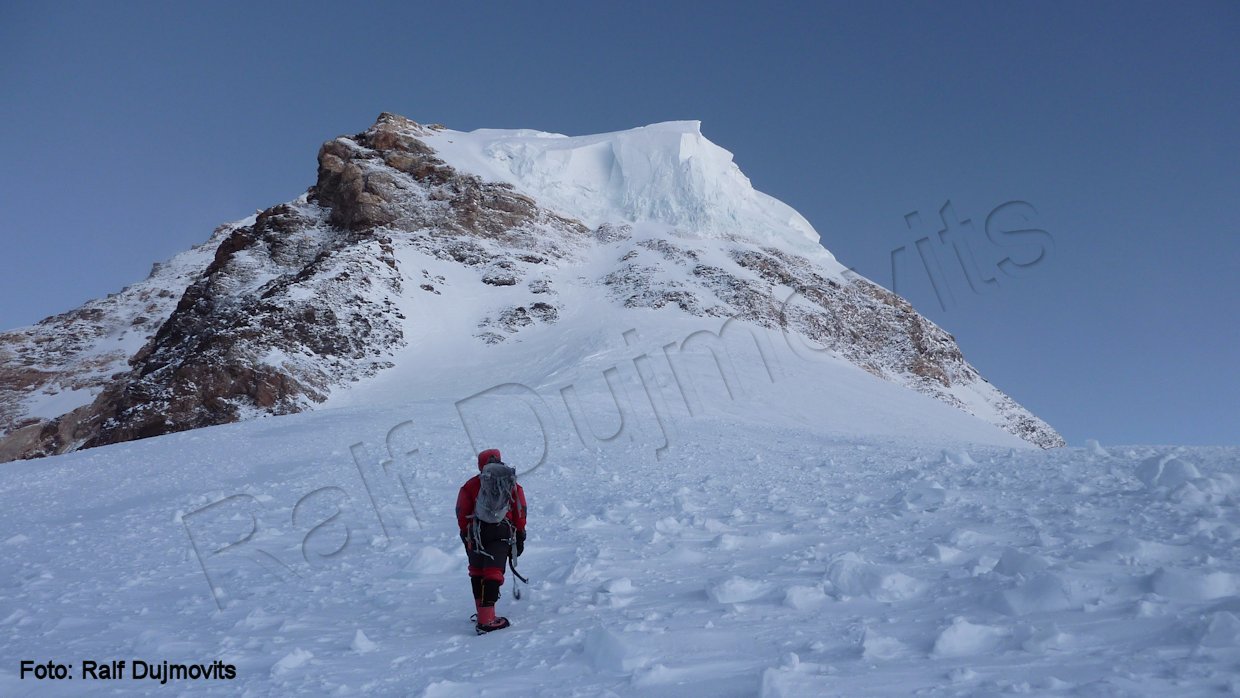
(608, 233)
(670, 252)
(279, 311)
(501, 273)
(513, 318)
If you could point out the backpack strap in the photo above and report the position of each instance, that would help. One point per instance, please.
(475, 536)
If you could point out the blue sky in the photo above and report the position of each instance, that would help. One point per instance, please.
(132, 130)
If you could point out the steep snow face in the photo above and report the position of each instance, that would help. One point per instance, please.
(666, 174)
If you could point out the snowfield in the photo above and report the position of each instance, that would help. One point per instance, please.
(822, 533)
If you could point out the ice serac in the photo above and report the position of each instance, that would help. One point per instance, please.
(666, 173)
(418, 244)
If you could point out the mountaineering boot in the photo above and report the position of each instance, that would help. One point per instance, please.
(488, 621)
(476, 584)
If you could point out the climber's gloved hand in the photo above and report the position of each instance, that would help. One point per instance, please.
(520, 543)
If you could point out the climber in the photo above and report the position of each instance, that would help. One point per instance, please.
(490, 511)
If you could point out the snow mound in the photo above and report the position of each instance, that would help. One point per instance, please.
(666, 173)
(610, 652)
(431, 560)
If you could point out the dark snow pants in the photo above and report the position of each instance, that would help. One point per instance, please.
(495, 543)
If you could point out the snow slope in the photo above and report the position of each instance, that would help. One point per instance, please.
(762, 543)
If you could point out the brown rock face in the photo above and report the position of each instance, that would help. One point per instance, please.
(275, 312)
(385, 176)
(285, 309)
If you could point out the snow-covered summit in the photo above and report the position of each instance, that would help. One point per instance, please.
(491, 257)
(666, 174)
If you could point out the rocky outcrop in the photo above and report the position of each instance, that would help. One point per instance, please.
(280, 309)
(64, 362)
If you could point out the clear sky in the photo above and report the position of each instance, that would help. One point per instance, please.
(131, 130)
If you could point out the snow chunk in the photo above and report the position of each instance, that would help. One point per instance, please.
(965, 639)
(853, 576)
(1042, 593)
(942, 553)
(1166, 471)
(1222, 630)
(923, 496)
(804, 598)
(967, 538)
(1047, 640)
(1128, 550)
(793, 680)
(876, 646)
(1095, 449)
(1193, 585)
(449, 689)
(622, 585)
(1013, 562)
(957, 456)
(363, 644)
(291, 661)
(738, 590)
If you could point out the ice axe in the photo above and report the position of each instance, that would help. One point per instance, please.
(512, 565)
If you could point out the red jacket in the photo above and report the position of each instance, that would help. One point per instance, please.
(469, 496)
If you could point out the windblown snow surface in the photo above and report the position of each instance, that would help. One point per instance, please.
(775, 524)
